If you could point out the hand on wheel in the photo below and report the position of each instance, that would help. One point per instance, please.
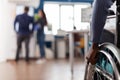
(92, 54)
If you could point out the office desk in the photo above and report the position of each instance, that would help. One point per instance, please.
(71, 44)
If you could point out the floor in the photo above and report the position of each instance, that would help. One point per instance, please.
(50, 70)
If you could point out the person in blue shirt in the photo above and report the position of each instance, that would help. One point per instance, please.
(99, 15)
(24, 31)
(41, 22)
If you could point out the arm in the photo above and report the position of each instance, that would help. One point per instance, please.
(16, 20)
(32, 22)
(99, 15)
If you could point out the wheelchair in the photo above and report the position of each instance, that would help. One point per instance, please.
(107, 66)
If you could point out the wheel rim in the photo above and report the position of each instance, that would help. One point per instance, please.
(103, 69)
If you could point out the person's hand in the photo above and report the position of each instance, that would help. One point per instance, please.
(92, 54)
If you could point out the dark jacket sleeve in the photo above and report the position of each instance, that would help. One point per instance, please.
(16, 20)
(32, 23)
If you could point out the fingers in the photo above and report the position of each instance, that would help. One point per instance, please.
(92, 56)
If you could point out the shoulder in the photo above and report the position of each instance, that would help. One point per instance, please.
(30, 16)
(18, 16)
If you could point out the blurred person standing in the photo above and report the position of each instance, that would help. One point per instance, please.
(23, 26)
(41, 22)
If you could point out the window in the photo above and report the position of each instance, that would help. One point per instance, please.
(20, 10)
(52, 14)
(65, 16)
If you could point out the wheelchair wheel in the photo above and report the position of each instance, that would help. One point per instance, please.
(107, 66)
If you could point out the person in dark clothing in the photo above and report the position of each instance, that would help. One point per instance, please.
(41, 22)
(99, 15)
(24, 31)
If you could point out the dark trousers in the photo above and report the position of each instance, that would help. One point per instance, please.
(22, 38)
(41, 43)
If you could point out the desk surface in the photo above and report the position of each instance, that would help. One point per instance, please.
(79, 31)
(87, 30)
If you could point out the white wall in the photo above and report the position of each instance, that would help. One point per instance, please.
(7, 35)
